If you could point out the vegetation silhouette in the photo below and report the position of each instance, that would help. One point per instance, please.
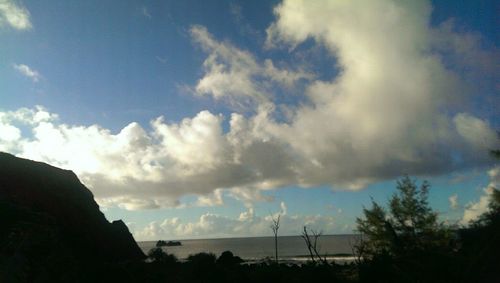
(275, 226)
(479, 242)
(311, 240)
(228, 259)
(157, 255)
(406, 243)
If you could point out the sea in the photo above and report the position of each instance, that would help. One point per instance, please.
(338, 248)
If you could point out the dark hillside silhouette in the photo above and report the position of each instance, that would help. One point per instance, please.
(47, 217)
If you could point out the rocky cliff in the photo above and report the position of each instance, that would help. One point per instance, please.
(46, 213)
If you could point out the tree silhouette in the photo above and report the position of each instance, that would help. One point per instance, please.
(479, 242)
(275, 226)
(311, 239)
(405, 243)
(159, 256)
(409, 226)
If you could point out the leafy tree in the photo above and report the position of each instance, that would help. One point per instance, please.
(158, 255)
(479, 242)
(409, 226)
(405, 242)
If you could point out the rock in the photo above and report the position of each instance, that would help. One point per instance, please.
(40, 198)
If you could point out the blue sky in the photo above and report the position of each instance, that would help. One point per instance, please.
(196, 119)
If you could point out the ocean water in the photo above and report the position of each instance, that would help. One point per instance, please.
(290, 248)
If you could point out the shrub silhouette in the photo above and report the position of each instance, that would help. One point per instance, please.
(202, 265)
(158, 255)
(228, 259)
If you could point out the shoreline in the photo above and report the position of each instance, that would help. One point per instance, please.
(302, 259)
(243, 237)
(336, 248)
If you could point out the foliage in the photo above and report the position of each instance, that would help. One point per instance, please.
(228, 259)
(409, 226)
(405, 243)
(479, 242)
(492, 216)
(480, 246)
(158, 255)
(161, 243)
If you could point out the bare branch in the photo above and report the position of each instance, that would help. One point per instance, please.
(275, 226)
(312, 245)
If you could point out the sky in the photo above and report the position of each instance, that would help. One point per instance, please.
(205, 119)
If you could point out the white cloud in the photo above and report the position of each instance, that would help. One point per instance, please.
(249, 196)
(465, 51)
(388, 111)
(236, 76)
(228, 71)
(393, 109)
(14, 15)
(475, 209)
(453, 199)
(248, 223)
(475, 131)
(215, 199)
(26, 71)
(283, 208)
(136, 169)
(9, 135)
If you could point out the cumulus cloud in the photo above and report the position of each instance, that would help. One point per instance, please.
(247, 224)
(28, 72)
(393, 108)
(475, 131)
(236, 76)
(248, 196)
(475, 209)
(215, 199)
(453, 199)
(464, 50)
(136, 169)
(14, 15)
